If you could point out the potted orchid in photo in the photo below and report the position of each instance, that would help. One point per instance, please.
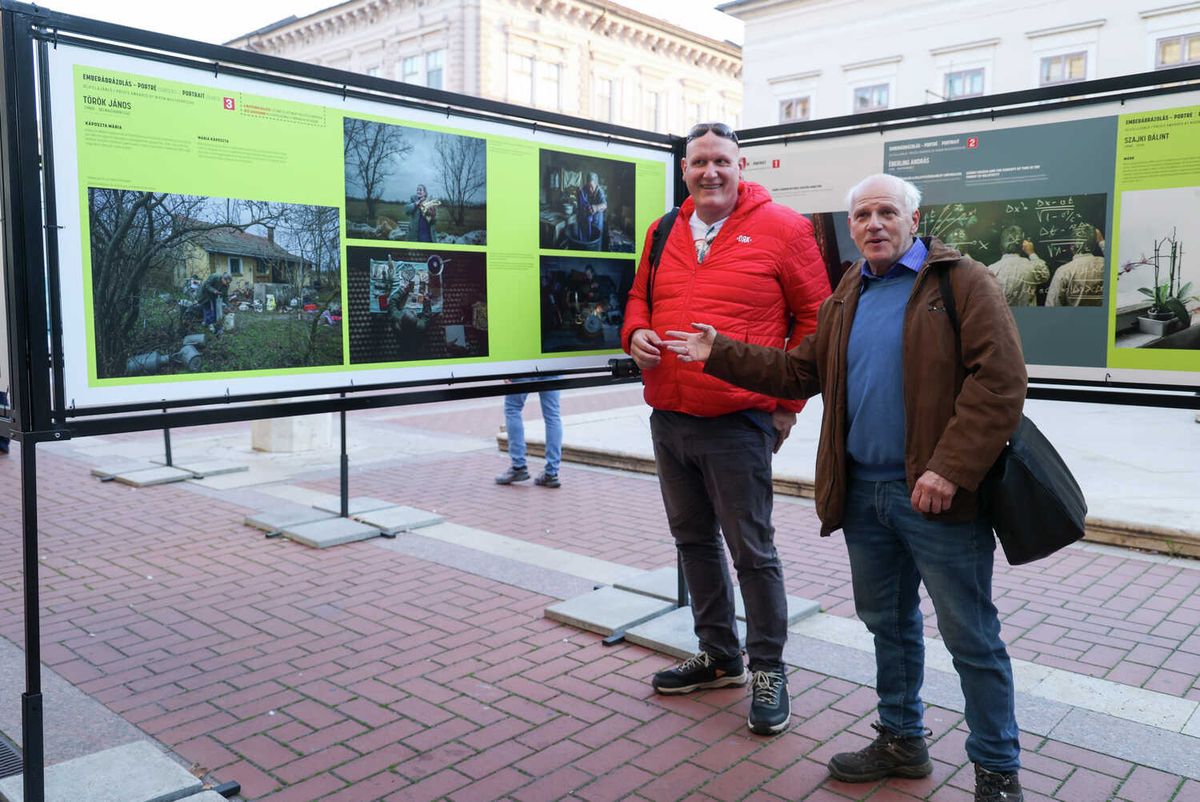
(1168, 310)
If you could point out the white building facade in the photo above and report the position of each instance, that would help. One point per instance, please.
(587, 58)
(808, 59)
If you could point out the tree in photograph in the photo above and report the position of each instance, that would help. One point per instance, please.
(461, 166)
(371, 151)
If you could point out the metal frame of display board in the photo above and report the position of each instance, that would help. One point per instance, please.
(39, 412)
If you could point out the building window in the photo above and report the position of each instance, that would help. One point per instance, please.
(549, 81)
(795, 109)
(435, 62)
(698, 113)
(604, 100)
(410, 69)
(871, 98)
(653, 108)
(1176, 51)
(1063, 69)
(964, 83)
(373, 72)
(235, 266)
(520, 79)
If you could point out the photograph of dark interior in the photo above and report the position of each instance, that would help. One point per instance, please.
(585, 203)
(582, 299)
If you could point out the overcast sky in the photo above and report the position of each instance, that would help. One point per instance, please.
(219, 21)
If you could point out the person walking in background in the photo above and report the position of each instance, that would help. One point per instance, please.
(736, 256)
(514, 405)
(918, 405)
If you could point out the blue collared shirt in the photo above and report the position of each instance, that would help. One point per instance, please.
(912, 259)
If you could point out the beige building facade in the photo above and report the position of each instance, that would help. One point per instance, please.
(587, 58)
(808, 59)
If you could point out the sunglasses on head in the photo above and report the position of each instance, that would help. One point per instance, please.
(720, 129)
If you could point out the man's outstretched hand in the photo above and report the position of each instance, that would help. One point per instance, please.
(692, 346)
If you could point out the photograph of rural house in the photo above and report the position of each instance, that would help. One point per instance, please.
(195, 284)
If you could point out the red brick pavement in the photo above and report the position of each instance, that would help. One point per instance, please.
(357, 673)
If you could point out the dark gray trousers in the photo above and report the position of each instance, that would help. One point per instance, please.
(715, 477)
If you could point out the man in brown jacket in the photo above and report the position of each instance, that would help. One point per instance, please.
(915, 415)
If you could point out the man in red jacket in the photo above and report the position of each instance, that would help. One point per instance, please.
(733, 256)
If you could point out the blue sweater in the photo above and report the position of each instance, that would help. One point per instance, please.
(875, 377)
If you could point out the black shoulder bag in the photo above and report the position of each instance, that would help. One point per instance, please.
(1033, 502)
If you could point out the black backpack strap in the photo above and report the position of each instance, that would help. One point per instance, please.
(658, 241)
(947, 291)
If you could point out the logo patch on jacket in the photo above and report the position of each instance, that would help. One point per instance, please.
(744, 239)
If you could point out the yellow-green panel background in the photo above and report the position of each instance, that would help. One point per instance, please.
(289, 152)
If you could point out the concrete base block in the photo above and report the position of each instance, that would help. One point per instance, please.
(305, 433)
(672, 634)
(211, 467)
(111, 471)
(662, 583)
(136, 772)
(391, 520)
(332, 532)
(607, 610)
(286, 515)
(153, 476)
(357, 504)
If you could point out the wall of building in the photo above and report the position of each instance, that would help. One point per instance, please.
(826, 58)
(588, 58)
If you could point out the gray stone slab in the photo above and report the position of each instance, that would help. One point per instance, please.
(286, 515)
(136, 772)
(390, 520)
(607, 610)
(1138, 743)
(661, 583)
(211, 467)
(110, 471)
(331, 532)
(161, 475)
(672, 633)
(357, 504)
(75, 725)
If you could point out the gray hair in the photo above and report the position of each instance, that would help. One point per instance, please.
(909, 195)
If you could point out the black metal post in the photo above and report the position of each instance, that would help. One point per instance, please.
(167, 442)
(32, 733)
(345, 468)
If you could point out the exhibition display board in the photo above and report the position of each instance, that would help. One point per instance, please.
(219, 234)
(1089, 216)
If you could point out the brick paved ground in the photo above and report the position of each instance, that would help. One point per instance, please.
(359, 673)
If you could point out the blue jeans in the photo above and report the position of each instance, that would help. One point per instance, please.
(513, 405)
(893, 549)
(715, 477)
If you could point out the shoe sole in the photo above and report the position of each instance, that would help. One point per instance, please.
(764, 729)
(723, 682)
(512, 481)
(908, 772)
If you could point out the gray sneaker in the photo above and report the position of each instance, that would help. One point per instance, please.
(889, 755)
(513, 475)
(547, 480)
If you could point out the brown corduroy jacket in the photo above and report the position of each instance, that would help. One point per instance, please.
(959, 409)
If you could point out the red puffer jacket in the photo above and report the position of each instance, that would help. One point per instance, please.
(762, 269)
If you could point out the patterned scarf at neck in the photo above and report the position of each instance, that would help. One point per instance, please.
(702, 245)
